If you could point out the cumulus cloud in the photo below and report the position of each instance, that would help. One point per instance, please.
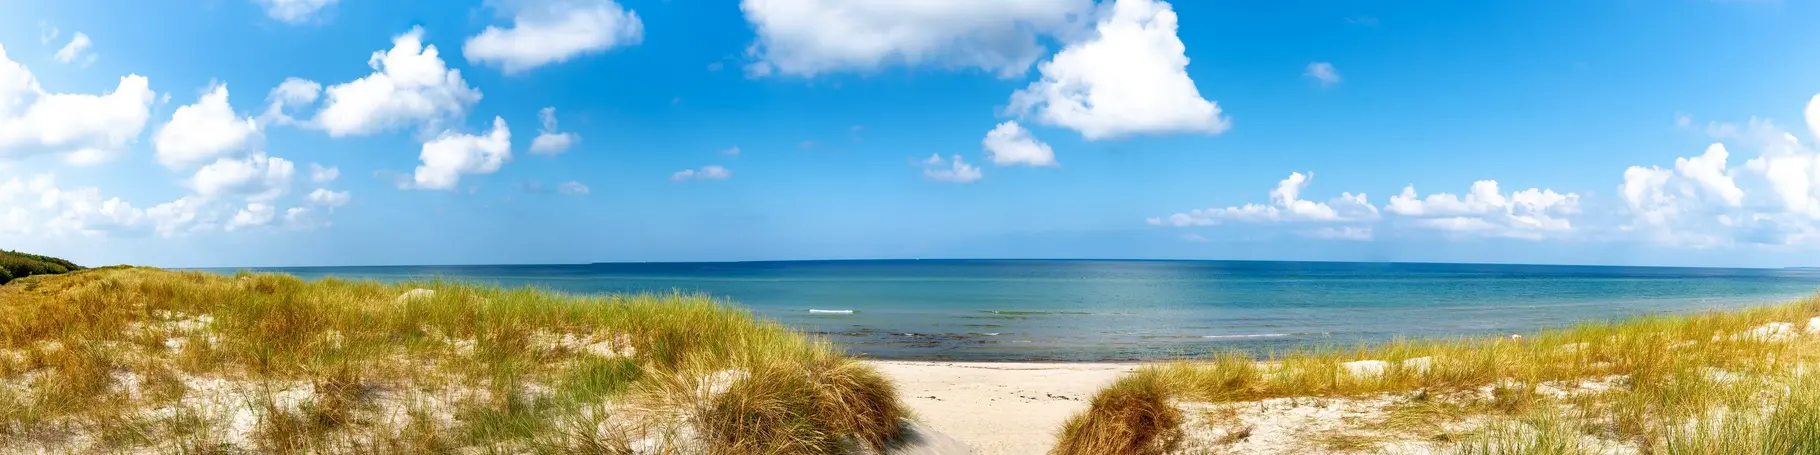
(1486, 211)
(37, 206)
(573, 188)
(446, 158)
(810, 37)
(955, 171)
(186, 214)
(256, 177)
(705, 173)
(548, 141)
(255, 214)
(1323, 72)
(294, 11)
(1703, 201)
(552, 31)
(323, 174)
(410, 85)
(292, 93)
(86, 129)
(326, 198)
(1010, 145)
(1130, 77)
(1286, 205)
(78, 48)
(730, 151)
(305, 218)
(204, 131)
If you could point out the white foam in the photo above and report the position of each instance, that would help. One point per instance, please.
(1250, 335)
(830, 311)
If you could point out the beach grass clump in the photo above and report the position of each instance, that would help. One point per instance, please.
(1132, 416)
(1715, 382)
(126, 359)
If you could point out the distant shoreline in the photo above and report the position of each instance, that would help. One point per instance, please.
(956, 260)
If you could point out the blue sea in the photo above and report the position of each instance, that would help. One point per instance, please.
(1081, 310)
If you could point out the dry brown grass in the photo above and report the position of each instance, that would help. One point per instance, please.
(123, 359)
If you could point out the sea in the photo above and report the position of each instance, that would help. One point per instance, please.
(1098, 310)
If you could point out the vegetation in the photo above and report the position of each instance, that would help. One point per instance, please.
(1712, 383)
(136, 359)
(15, 265)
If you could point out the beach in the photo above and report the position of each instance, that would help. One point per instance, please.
(999, 408)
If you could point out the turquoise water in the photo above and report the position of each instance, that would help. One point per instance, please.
(1130, 310)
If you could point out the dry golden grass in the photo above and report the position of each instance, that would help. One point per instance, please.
(1717, 382)
(1132, 416)
(135, 359)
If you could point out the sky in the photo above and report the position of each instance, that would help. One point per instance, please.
(361, 132)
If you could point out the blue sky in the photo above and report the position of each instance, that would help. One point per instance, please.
(178, 133)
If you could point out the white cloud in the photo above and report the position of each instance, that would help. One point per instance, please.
(90, 126)
(1323, 72)
(410, 84)
(1708, 170)
(1010, 144)
(254, 215)
(1813, 116)
(304, 218)
(956, 171)
(204, 131)
(573, 189)
(447, 157)
(76, 49)
(552, 31)
(326, 198)
(38, 206)
(548, 141)
(810, 37)
(731, 151)
(1772, 199)
(1340, 233)
(293, 92)
(179, 216)
(1485, 210)
(1286, 205)
(1129, 78)
(256, 177)
(321, 174)
(294, 11)
(47, 33)
(706, 173)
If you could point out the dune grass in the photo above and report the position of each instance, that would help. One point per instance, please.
(1709, 383)
(127, 359)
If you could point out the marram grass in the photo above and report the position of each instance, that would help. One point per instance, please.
(144, 360)
(1711, 383)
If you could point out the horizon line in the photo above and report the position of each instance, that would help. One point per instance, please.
(761, 261)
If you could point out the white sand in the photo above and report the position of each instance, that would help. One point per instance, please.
(1000, 408)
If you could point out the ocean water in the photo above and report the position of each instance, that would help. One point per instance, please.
(1143, 310)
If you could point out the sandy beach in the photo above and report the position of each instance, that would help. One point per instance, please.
(1000, 408)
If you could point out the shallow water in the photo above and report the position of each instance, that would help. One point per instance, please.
(1131, 310)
